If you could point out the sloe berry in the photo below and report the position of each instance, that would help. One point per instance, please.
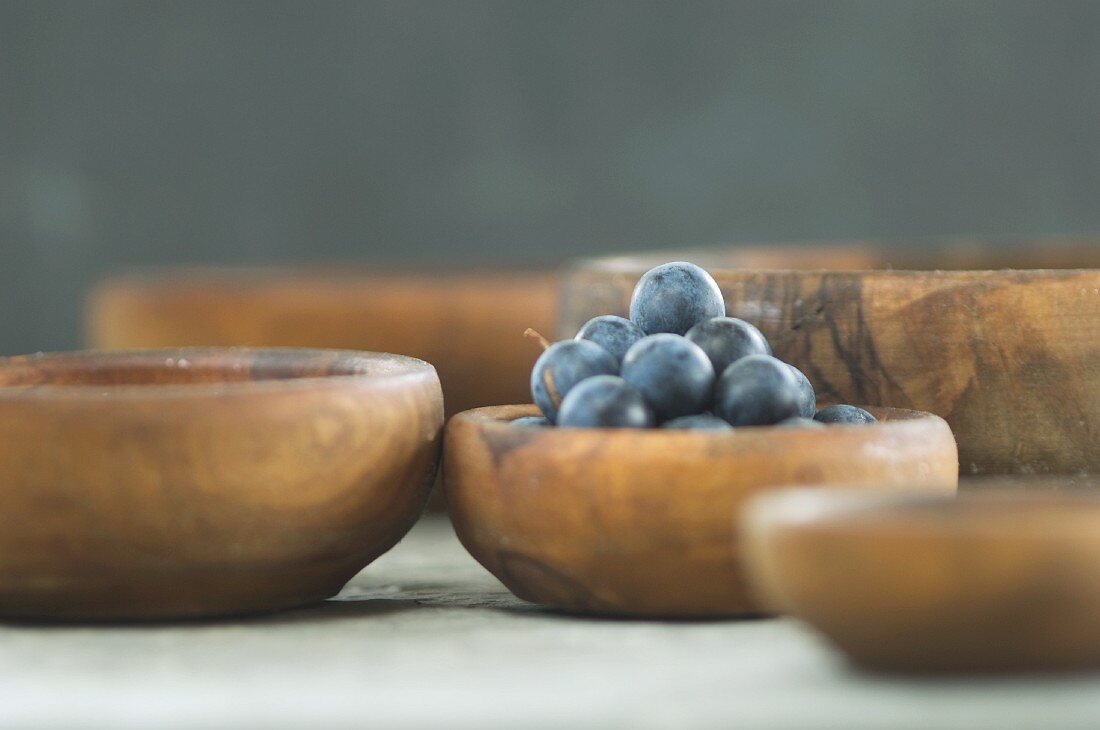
(561, 366)
(674, 297)
(672, 373)
(728, 339)
(605, 401)
(700, 422)
(807, 400)
(846, 414)
(757, 390)
(614, 334)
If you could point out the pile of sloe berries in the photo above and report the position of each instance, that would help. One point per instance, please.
(678, 362)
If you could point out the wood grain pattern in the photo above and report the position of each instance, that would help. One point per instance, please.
(632, 522)
(1011, 358)
(990, 582)
(469, 325)
(178, 483)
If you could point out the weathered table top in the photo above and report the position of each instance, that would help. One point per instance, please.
(425, 638)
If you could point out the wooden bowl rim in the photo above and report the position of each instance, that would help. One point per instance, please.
(637, 263)
(354, 273)
(405, 370)
(497, 419)
(636, 266)
(933, 516)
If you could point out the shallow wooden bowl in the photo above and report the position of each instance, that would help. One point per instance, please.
(986, 334)
(468, 324)
(637, 522)
(178, 483)
(996, 581)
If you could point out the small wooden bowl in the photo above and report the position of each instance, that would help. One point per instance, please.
(636, 522)
(468, 324)
(997, 581)
(180, 483)
(1011, 358)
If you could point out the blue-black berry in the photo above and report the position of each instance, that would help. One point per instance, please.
(672, 373)
(757, 390)
(532, 422)
(561, 366)
(799, 422)
(605, 401)
(674, 298)
(614, 334)
(807, 401)
(845, 414)
(728, 339)
(700, 422)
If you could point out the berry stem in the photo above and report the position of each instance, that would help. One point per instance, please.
(533, 334)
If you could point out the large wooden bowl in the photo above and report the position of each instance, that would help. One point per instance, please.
(637, 522)
(469, 325)
(1009, 356)
(917, 583)
(177, 483)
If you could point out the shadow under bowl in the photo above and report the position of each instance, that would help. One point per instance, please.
(199, 482)
(637, 522)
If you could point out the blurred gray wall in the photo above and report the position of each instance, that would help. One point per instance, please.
(522, 132)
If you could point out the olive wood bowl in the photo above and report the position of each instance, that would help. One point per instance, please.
(1002, 339)
(988, 582)
(468, 324)
(183, 483)
(636, 522)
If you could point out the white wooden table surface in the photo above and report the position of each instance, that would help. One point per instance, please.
(426, 638)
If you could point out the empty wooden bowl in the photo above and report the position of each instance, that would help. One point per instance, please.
(996, 581)
(178, 483)
(1002, 339)
(637, 522)
(468, 324)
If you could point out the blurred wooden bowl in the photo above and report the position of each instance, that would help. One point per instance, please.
(180, 483)
(990, 582)
(469, 325)
(1009, 356)
(637, 522)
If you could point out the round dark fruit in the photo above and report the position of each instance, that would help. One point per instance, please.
(757, 390)
(561, 366)
(672, 373)
(614, 334)
(807, 402)
(728, 339)
(605, 401)
(699, 422)
(851, 415)
(532, 422)
(674, 298)
(799, 422)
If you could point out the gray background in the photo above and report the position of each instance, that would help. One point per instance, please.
(522, 133)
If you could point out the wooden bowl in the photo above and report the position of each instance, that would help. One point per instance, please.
(918, 583)
(1011, 358)
(637, 522)
(469, 325)
(179, 483)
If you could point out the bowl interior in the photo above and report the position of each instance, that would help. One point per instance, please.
(183, 367)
